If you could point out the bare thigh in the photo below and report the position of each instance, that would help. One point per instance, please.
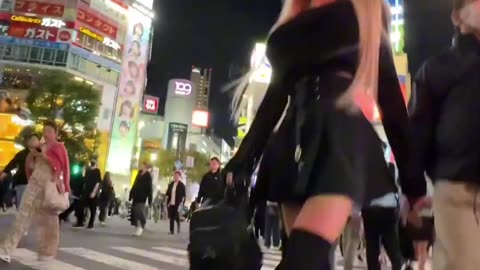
(324, 215)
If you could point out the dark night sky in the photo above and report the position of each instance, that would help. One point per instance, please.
(213, 33)
(222, 33)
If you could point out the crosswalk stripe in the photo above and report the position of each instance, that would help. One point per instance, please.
(172, 250)
(29, 258)
(154, 256)
(268, 260)
(107, 259)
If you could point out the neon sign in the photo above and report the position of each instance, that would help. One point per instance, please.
(25, 19)
(104, 40)
(183, 88)
(47, 22)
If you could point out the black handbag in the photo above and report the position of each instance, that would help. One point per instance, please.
(221, 237)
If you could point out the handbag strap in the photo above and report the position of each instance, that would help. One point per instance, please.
(300, 97)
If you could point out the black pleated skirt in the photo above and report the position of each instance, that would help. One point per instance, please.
(341, 154)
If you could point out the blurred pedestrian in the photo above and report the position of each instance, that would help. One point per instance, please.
(107, 195)
(140, 194)
(176, 195)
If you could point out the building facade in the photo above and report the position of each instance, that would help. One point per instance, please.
(202, 78)
(105, 43)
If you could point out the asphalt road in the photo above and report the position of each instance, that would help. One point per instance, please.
(113, 247)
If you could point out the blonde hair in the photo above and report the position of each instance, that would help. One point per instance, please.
(365, 82)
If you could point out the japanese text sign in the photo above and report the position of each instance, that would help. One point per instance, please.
(33, 32)
(39, 8)
(98, 24)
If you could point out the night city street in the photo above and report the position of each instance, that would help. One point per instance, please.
(114, 247)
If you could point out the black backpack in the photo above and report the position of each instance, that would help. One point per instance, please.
(221, 239)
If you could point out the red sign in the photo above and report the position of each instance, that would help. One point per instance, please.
(33, 32)
(97, 23)
(64, 36)
(39, 8)
(150, 104)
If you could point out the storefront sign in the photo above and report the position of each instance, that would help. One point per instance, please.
(33, 43)
(95, 58)
(25, 19)
(150, 104)
(39, 8)
(47, 22)
(105, 40)
(183, 88)
(111, 43)
(98, 24)
(90, 33)
(64, 35)
(33, 32)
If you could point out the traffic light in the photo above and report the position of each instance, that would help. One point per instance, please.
(76, 169)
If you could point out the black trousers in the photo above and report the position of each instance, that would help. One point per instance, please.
(174, 216)
(272, 229)
(381, 226)
(91, 204)
(104, 210)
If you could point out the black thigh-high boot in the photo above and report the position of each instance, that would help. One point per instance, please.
(306, 251)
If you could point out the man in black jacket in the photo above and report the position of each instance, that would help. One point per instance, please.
(141, 193)
(20, 179)
(444, 111)
(92, 180)
(176, 194)
(211, 186)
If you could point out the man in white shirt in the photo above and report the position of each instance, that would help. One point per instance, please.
(176, 194)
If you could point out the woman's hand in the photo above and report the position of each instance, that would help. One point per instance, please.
(60, 187)
(425, 202)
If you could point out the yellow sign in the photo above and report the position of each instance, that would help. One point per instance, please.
(105, 40)
(242, 127)
(91, 34)
(25, 19)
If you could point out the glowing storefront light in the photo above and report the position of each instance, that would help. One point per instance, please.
(47, 22)
(397, 25)
(105, 40)
(262, 69)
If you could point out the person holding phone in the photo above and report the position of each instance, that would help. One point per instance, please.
(20, 180)
(51, 163)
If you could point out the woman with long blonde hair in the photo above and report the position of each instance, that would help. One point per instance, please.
(319, 152)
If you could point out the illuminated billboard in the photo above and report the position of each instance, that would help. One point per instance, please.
(397, 26)
(200, 118)
(260, 64)
(181, 87)
(131, 87)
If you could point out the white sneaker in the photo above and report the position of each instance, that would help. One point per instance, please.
(139, 231)
(5, 257)
(103, 224)
(25, 233)
(45, 258)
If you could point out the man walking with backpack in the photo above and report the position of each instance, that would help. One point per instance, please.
(444, 111)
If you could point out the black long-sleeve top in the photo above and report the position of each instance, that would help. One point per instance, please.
(142, 189)
(315, 43)
(211, 188)
(443, 114)
(18, 162)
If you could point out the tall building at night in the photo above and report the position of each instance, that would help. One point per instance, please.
(202, 78)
